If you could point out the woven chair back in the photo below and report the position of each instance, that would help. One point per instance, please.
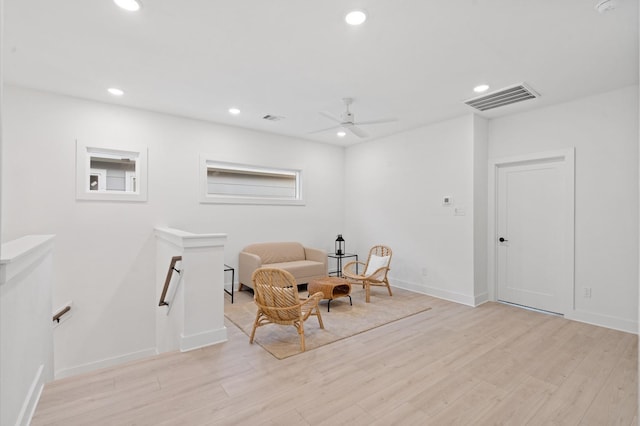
(380, 251)
(275, 290)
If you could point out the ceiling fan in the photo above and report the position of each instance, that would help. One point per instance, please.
(347, 121)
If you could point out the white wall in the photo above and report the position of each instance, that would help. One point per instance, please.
(26, 336)
(604, 131)
(396, 184)
(193, 316)
(480, 208)
(394, 196)
(105, 257)
(391, 192)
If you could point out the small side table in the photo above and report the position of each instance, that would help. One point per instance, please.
(339, 257)
(331, 288)
(228, 268)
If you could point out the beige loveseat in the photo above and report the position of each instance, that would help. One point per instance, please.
(304, 263)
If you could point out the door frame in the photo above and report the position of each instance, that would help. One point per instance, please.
(567, 156)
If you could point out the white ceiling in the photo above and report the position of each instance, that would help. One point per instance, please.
(416, 60)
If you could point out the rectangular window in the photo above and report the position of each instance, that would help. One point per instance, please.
(110, 174)
(243, 184)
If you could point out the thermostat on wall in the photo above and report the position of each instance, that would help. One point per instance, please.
(446, 200)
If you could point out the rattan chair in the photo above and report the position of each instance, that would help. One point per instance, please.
(373, 273)
(276, 295)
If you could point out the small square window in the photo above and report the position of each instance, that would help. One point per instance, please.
(111, 174)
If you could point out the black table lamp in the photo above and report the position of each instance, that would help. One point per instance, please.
(340, 245)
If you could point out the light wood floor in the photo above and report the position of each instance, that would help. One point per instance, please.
(453, 364)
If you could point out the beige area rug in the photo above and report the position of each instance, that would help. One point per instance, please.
(341, 322)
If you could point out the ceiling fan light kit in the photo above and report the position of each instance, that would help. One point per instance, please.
(347, 122)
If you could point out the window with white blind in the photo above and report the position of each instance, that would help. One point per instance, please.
(244, 184)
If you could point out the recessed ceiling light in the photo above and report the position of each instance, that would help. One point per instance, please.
(115, 91)
(130, 5)
(234, 111)
(481, 88)
(355, 17)
(341, 134)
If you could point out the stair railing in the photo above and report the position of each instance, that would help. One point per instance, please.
(167, 281)
(60, 313)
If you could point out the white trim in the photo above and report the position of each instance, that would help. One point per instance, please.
(568, 157)
(439, 293)
(31, 400)
(203, 339)
(206, 198)
(18, 255)
(83, 171)
(103, 363)
(130, 181)
(615, 323)
(481, 298)
(184, 239)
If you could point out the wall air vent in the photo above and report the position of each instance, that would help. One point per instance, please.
(502, 97)
(271, 117)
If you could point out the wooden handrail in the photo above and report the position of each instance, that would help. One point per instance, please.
(172, 267)
(60, 313)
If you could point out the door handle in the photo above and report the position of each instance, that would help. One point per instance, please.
(502, 240)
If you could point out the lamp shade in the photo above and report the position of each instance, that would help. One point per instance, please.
(340, 247)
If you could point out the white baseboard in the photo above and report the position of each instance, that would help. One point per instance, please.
(481, 298)
(108, 362)
(614, 323)
(439, 293)
(200, 340)
(187, 343)
(604, 321)
(31, 398)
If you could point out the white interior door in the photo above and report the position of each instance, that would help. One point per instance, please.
(534, 227)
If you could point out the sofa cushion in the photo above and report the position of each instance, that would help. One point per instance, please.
(301, 268)
(277, 252)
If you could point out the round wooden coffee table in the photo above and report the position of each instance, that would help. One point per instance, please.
(331, 288)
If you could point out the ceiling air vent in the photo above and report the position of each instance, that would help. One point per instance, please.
(502, 97)
(271, 117)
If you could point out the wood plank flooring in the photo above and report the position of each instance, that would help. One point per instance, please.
(453, 364)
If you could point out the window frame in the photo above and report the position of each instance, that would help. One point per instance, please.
(207, 163)
(83, 172)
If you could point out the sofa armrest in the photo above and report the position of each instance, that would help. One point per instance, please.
(247, 263)
(317, 255)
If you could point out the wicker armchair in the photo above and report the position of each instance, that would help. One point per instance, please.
(276, 295)
(374, 272)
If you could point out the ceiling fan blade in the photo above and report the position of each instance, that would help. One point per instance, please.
(330, 116)
(379, 121)
(357, 131)
(324, 130)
